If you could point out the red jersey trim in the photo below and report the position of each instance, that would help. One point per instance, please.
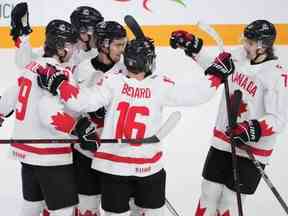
(43, 151)
(129, 160)
(260, 152)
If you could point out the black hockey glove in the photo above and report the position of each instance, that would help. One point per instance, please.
(50, 78)
(2, 117)
(222, 66)
(98, 114)
(20, 21)
(189, 42)
(247, 131)
(86, 132)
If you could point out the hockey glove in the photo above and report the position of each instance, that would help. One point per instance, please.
(222, 66)
(247, 131)
(2, 117)
(86, 132)
(190, 43)
(98, 114)
(20, 21)
(50, 78)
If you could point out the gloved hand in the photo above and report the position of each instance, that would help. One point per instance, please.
(246, 131)
(20, 21)
(50, 78)
(85, 130)
(98, 114)
(189, 42)
(222, 66)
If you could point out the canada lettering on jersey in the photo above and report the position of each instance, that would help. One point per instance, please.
(136, 92)
(245, 83)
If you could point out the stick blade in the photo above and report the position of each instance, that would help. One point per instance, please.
(134, 26)
(169, 125)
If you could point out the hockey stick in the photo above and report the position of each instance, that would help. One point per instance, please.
(211, 31)
(253, 159)
(167, 127)
(265, 177)
(269, 183)
(171, 209)
(134, 26)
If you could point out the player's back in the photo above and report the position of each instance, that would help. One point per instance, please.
(36, 118)
(135, 111)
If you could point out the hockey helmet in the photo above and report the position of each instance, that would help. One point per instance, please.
(84, 19)
(261, 31)
(139, 55)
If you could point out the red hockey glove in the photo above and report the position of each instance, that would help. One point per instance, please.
(247, 131)
(86, 132)
(222, 66)
(50, 78)
(189, 42)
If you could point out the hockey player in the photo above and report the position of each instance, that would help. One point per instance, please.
(110, 41)
(47, 170)
(83, 19)
(262, 115)
(134, 101)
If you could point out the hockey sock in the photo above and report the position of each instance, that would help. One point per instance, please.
(31, 208)
(89, 205)
(228, 203)
(210, 195)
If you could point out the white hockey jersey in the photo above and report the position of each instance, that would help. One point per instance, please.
(86, 76)
(134, 110)
(37, 117)
(265, 98)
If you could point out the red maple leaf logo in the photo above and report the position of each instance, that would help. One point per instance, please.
(200, 211)
(265, 129)
(67, 91)
(215, 81)
(63, 122)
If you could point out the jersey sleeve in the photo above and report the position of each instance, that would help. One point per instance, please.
(24, 53)
(83, 99)
(195, 91)
(8, 100)
(52, 115)
(204, 58)
(275, 106)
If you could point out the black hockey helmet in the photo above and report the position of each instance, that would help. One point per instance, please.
(261, 31)
(139, 55)
(84, 18)
(58, 32)
(107, 31)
